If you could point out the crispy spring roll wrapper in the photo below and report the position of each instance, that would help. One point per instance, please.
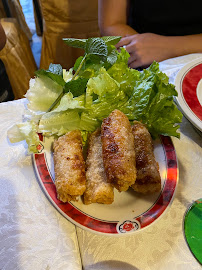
(148, 176)
(69, 165)
(98, 190)
(118, 150)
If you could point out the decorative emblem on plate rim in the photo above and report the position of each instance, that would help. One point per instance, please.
(128, 226)
(40, 147)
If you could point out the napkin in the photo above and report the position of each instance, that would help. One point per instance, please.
(33, 234)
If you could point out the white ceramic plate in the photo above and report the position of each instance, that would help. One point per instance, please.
(188, 84)
(130, 212)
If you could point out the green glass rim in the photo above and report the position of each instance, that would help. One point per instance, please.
(189, 208)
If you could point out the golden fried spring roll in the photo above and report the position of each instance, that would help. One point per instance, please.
(118, 150)
(69, 165)
(98, 190)
(148, 177)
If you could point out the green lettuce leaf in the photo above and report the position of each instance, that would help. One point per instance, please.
(42, 93)
(69, 102)
(25, 131)
(125, 76)
(59, 123)
(67, 74)
(102, 82)
(152, 103)
(88, 123)
(103, 95)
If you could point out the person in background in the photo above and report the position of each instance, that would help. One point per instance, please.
(2, 37)
(152, 30)
(6, 93)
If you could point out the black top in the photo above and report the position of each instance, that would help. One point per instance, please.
(170, 18)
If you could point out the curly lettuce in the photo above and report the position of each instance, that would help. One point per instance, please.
(91, 90)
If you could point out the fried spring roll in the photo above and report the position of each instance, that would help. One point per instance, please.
(69, 165)
(98, 190)
(148, 177)
(118, 150)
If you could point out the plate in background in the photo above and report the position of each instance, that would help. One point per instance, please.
(188, 84)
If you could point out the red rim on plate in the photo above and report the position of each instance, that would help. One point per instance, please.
(88, 222)
(187, 82)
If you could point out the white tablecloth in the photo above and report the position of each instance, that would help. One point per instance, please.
(34, 236)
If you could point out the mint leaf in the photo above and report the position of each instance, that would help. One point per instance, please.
(55, 77)
(76, 87)
(75, 42)
(80, 43)
(55, 69)
(111, 40)
(54, 72)
(112, 57)
(78, 62)
(91, 66)
(96, 46)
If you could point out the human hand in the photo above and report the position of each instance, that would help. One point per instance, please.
(145, 48)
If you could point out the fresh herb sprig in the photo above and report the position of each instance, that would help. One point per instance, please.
(100, 47)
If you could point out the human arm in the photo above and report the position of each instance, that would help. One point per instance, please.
(2, 37)
(112, 18)
(147, 47)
